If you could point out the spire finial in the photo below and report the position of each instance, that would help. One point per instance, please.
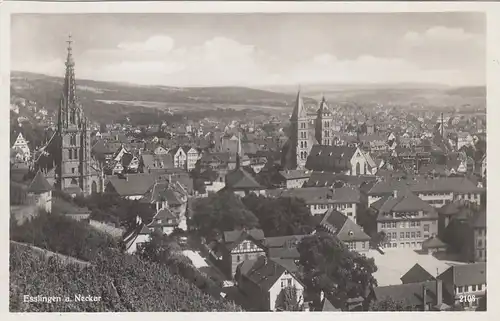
(69, 60)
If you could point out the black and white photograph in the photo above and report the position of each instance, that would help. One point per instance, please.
(248, 161)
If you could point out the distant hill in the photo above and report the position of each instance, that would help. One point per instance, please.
(98, 96)
(107, 100)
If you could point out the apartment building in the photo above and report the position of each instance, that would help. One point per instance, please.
(405, 218)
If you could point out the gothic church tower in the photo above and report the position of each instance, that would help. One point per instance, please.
(300, 142)
(73, 171)
(323, 124)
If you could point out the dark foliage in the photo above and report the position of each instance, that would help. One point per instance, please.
(280, 216)
(63, 235)
(287, 300)
(221, 212)
(331, 267)
(164, 250)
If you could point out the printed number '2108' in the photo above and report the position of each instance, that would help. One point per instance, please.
(467, 298)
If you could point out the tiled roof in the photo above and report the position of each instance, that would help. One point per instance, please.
(241, 179)
(411, 293)
(262, 271)
(416, 274)
(283, 241)
(327, 306)
(133, 184)
(39, 184)
(343, 227)
(432, 243)
(405, 201)
(295, 174)
(469, 274)
(236, 235)
(329, 179)
(320, 195)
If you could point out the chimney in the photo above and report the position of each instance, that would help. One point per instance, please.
(424, 297)
(395, 194)
(439, 291)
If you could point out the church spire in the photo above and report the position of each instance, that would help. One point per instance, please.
(69, 79)
(299, 111)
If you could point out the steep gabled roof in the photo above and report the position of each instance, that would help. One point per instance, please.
(343, 227)
(416, 274)
(39, 184)
(299, 110)
(241, 179)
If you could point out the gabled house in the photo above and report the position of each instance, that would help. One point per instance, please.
(136, 237)
(351, 234)
(130, 163)
(294, 178)
(179, 157)
(155, 163)
(192, 156)
(22, 145)
(263, 279)
(41, 192)
(241, 245)
(464, 280)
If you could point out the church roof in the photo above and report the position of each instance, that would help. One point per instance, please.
(299, 110)
(39, 184)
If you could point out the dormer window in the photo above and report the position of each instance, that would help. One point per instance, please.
(351, 233)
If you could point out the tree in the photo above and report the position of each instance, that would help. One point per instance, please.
(287, 300)
(379, 239)
(390, 304)
(221, 212)
(331, 267)
(280, 216)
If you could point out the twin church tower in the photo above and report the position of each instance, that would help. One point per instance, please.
(306, 130)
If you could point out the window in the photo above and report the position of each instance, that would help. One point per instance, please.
(402, 235)
(73, 170)
(393, 224)
(479, 243)
(282, 284)
(383, 225)
(412, 235)
(412, 224)
(394, 245)
(480, 287)
(238, 258)
(474, 288)
(426, 227)
(407, 235)
(417, 223)
(419, 234)
(394, 235)
(70, 154)
(363, 244)
(289, 282)
(402, 225)
(412, 244)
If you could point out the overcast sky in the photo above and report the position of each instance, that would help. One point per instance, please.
(256, 49)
